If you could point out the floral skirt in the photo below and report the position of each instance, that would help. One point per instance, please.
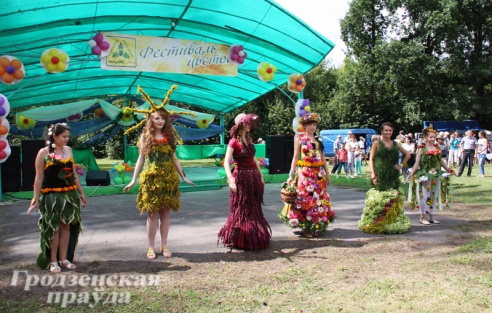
(384, 213)
(312, 210)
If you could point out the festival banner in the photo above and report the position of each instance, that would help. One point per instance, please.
(159, 54)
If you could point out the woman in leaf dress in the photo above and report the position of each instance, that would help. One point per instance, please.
(383, 211)
(58, 195)
(430, 186)
(159, 181)
(312, 209)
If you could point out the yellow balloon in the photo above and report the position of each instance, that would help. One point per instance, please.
(60, 67)
(53, 52)
(46, 58)
(50, 67)
(63, 57)
(307, 108)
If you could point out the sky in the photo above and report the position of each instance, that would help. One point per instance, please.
(323, 16)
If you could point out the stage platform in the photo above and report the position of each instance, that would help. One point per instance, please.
(205, 178)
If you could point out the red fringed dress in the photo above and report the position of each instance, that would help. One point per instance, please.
(246, 227)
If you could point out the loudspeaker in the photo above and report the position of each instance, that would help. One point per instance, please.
(279, 151)
(97, 178)
(29, 151)
(11, 171)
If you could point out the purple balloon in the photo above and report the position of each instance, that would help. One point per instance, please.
(104, 45)
(302, 112)
(235, 49)
(306, 102)
(2, 111)
(234, 57)
(240, 60)
(99, 38)
(299, 81)
(2, 100)
(96, 50)
(10, 69)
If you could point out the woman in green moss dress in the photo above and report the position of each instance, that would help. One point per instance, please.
(58, 195)
(383, 212)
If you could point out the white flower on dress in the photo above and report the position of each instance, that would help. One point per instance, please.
(309, 217)
(320, 209)
(294, 222)
(446, 175)
(423, 178)
(318, 203)
(310, 188)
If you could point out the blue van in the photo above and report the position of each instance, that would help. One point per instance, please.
(330, 135)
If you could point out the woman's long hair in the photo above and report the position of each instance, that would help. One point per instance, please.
(148, 132)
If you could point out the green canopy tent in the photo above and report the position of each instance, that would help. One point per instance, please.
(265, 30)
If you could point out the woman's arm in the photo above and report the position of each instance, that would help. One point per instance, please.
(38, 179)
(227, 167)
(374, 148)
(180, 170)
(295, 157)
(138, 167)
(417, 162)
(77, 181)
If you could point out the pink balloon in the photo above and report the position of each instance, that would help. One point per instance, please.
(3, 144)
(234, 57)
(235, 49)
(241, 47)
(240, 60)
(3, 155)
(96, 50)
(104, 45)
(99, 38)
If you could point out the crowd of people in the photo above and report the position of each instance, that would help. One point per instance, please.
(425, 163)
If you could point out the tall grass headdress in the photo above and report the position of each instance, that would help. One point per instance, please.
(154, 107)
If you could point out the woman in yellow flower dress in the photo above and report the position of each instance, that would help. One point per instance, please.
(434, 183)
(312, 210)
(58, 195)
(159, 181)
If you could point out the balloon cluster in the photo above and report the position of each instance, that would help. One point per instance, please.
(122, 168)
(266, 71)
(23, 122)
(75, 117)
(237, 54)
(263, 162)
(99, 113)
(79, 169)
(11, 70)
(302, 108)
(296, 83)
(100, 45)
(54, 60)
(4, 128)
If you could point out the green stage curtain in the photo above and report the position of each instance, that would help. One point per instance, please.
(85, 157)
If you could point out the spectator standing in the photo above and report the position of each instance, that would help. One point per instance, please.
(444, 148)
(351, 146)
(468, 145)
(337, 145)
(362, 146)
(454, 146)
(482, 152)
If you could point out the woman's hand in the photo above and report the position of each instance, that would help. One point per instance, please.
(130, 185)
(34, 206)
(84, 200)
(398, 167)
(374, 179)
(232, 184)
(189, 182)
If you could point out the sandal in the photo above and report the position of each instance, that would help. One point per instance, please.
(434, 222)
(151, 254)
(68, 265)
(424, 221)
(166, 252)
(54, 268)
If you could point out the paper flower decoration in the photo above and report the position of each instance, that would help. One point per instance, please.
(266, 71)
(4, 106)
(237, 55)
(4, 126)
(11, 70)
(75, 117)
(296, 83)
(99, 113)
(100, 45)
(54, 60)
(24, 122)
(204, 122)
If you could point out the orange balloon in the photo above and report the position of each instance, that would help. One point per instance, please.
(18, 75)
(299, 88)
(128, 169)
(293, 78)
(7, 78)
(303, 84)
(4, 62)
(2, 71)
(3, 130)
(16, 64)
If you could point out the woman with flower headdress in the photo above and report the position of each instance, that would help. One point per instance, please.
(159, 182)
(58, 195)
(246, 227)
(309, 172)
(435, 185)
(383, 211)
